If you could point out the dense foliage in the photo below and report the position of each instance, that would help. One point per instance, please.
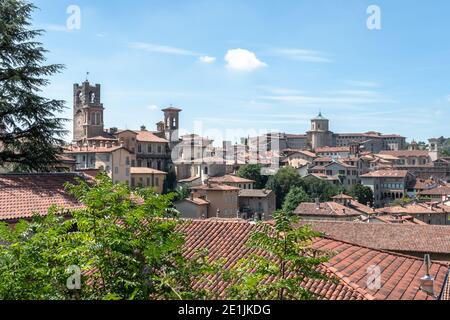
(282, 258)
(124, 242)
(288, 178)
(295, 196)
(30, 134)
(362, 194)
(253, 172)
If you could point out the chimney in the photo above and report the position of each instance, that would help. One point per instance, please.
(317, 203)
(218, 213)
(427, 281)
(143, 128)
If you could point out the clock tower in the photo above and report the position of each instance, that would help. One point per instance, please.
(87, 111)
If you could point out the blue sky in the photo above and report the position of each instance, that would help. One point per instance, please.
(261, 65)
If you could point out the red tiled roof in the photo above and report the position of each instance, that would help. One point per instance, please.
(216, 187)
(73, 149)
(148, 136)
(332, 149)
(230, 179)
(197, 201)
(342, 196)
(21, 195)
(304, 152)
(392, 237)
(439, 191)
(326, 209)
(416, 208)
(400, 275)
(386, 173)
(406, 153)
(145, 170)
(254, 193)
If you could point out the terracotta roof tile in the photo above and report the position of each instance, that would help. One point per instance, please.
(326, 209)
(254, 193)
(406, 153)
(230, 179)
(386, 173)
(216, 187)
(394, 237)
(400, 275)
(21, 195)
(145, 170)
(148, 136)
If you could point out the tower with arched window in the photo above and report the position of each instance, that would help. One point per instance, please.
(171, 124)
(87, 111)
(320, 134)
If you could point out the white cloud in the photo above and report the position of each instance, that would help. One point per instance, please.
(243, 60)
(153, 107)
(448, 98)
(207, 59)
(151, 47)
(301, 55)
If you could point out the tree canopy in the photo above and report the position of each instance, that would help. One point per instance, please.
(30, 133)
(295, 196)
(253, 172)
(283, 258)
(124, 243)
(362, 194)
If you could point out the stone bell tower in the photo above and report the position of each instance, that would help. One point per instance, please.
(171, 124)
(87, 111)
(320, 134)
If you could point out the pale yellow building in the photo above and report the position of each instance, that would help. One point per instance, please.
(223, 199)
(116, 161)
(148, 178)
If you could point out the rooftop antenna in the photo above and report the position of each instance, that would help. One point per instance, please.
(87, 76)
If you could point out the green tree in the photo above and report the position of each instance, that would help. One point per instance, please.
(253, 172)
(316, 188)
(182, 193)
(403, 201)
(170, 182)
(125, 243)
(282, 182)
(30, 134)
(282, 258)
(295, 196)
(362, 194)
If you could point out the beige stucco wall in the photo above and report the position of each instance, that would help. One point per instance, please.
(188, 210)
(225, 201)
(153, 180)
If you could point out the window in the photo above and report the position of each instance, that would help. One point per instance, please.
(157, 182)
(127, 161)
(159, 149)
(149, 148)
(139, 148)
(148, 181)
(116, 170)
(127, 172)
